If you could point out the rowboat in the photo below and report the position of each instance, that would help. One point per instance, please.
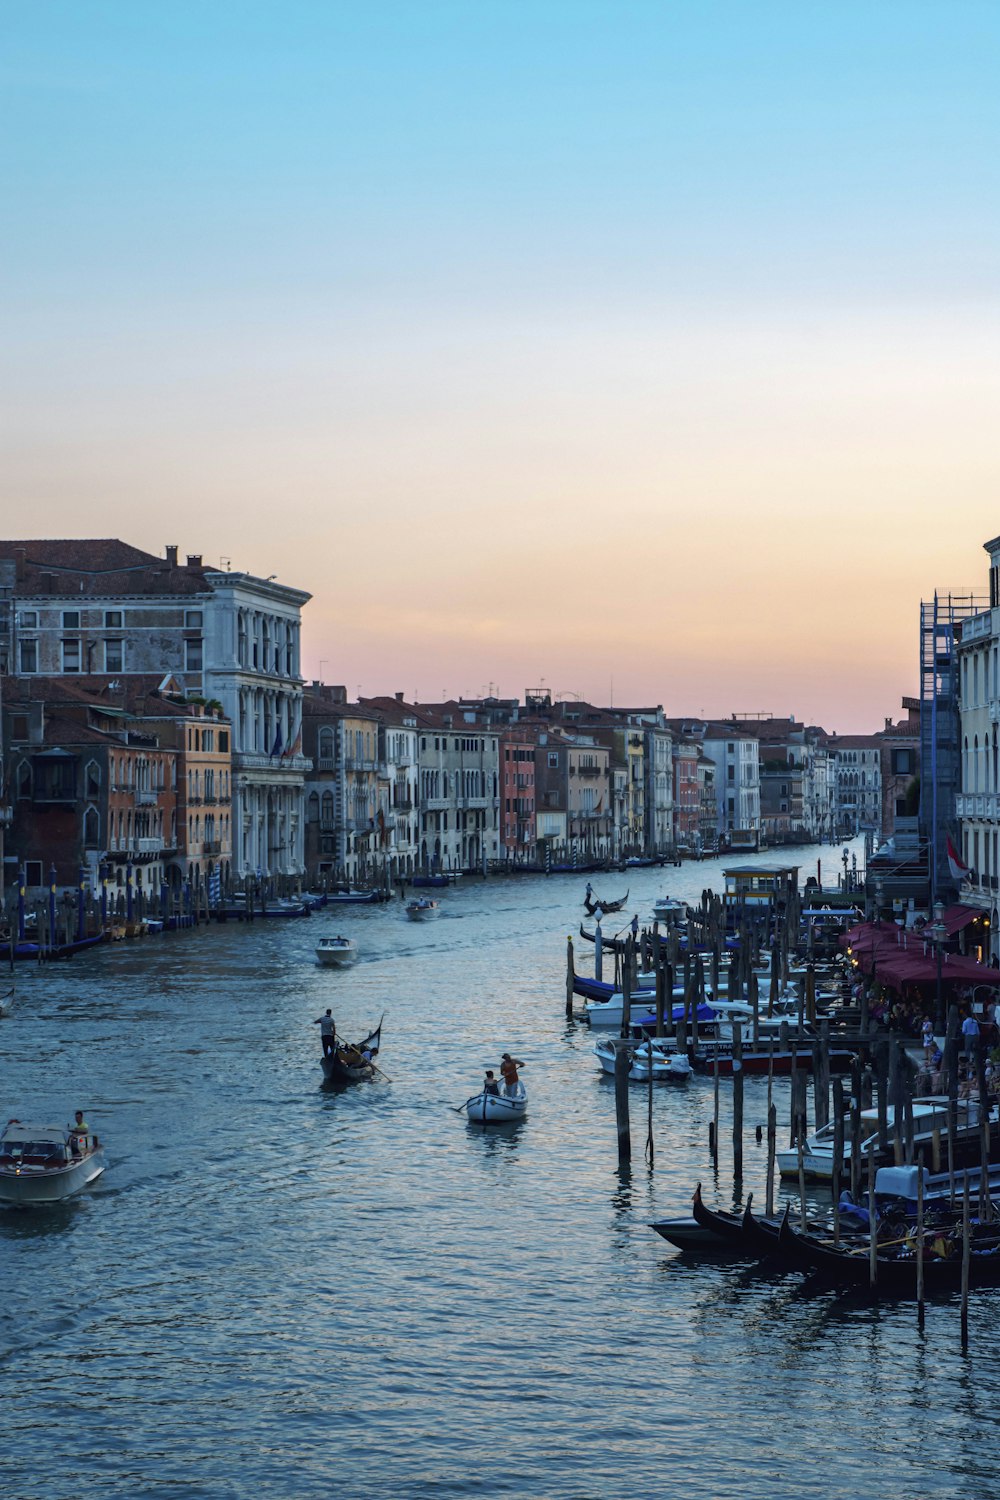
(353, 1064)
(669, 1065)
(422, 908)
(46, 1163)
(336, 952)
(497, 1109)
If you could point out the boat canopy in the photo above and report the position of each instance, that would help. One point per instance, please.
(16, 1130)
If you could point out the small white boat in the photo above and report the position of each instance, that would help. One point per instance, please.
(930, 1114)
(336, 952)
(669, 1065)
(667, 909)
(421, 908)
(46, 1163)
(498, 1109)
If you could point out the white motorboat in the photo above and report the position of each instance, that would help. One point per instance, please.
(421, 908)
(498, 1109)
(669, 1065)
(930, 1115)
(336, 952)
(46, 1163)
(667, 909)
(609, 1012)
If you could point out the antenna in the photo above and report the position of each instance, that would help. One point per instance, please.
(224, 563)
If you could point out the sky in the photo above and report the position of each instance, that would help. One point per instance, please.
(641, 351)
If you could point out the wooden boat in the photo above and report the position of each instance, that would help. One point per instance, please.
(336, 952)
(668, 1064)
(896, 1262)
(422, 908)
(497, 1109)
(356, 898)
(433, 882)
(46, 1163)
(348, 1064)
(591, 904)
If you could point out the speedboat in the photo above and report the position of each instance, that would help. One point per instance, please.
(930, 1115)
(668, 1064)
(46, 1163)
(497, 1109)
(336, 952)
(667, 909)
(421, 908)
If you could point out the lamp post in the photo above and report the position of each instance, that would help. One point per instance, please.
(939, 936)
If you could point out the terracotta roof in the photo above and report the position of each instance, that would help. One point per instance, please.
(101, 567)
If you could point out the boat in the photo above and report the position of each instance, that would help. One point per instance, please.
(347, 1063)
(593, 903)
(336, 952)
(7, 1003)
(667, 909)
(930, 1115)
(356, 898)
(497, 1109)
(434, 882)
(46, 1163)
(668, 1064)
(896, 1261)
(421, 908)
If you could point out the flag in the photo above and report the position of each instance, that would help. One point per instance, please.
(276, 747)
(959, 869)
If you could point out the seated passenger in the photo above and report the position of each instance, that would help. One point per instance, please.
(490, 1085)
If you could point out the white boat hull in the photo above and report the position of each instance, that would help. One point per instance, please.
(421, 913)
(609, 1012)
(668, 1067)
(337, 958)
(498, 1109)
(31, 1185)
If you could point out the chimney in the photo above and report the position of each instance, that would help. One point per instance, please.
(172, 557)
(194, 559)
(399, 697)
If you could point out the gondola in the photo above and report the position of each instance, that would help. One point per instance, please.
(896, 1261)
(345, 1064)
(607, 907)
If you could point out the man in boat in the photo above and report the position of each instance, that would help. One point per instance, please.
(490, 1085)
(78, 1132)
(508, 1072)
(327, 1033)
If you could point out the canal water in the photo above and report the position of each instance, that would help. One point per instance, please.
(280, 1292)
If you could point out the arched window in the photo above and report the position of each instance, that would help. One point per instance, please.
(328, 808)
(312, 808)
(326, 744)
(91, 829)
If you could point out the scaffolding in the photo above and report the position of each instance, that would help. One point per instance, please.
(940, 728)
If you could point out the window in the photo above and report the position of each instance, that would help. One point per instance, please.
(223, 739)
(71, 619)
(114, 656)
(112, 619)
(29, 656)
(192, 655)
(554, 758)
(192, 619)
(28, 619)
(71, 656)
(902, 762)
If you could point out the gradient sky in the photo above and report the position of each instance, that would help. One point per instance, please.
(636, 349)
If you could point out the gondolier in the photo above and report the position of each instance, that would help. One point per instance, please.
(327, 1032)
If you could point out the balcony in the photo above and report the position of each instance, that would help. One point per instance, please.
(144, 797)
(326, 763)
(148, 845)
(211, 846)
(589, 770)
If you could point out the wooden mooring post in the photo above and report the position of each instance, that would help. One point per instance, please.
(738, 1101)
(570, 976)
(623, 1064)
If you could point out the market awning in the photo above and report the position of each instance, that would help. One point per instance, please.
(957, 917)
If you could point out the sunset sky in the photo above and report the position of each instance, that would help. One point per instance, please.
(640, 350)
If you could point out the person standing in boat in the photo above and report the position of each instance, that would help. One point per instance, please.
(78, 1133)
(508, 1072)
(327, 1033)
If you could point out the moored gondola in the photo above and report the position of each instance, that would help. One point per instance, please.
(896, 1260)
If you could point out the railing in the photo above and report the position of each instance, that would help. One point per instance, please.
(145, 798)
(148, 845)
(211, 846)
(326, 763)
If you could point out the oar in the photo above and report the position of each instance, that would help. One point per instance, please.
(381, 1074)
(459, 1107)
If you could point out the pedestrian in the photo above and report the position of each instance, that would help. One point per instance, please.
(927, 1032)
(327, 1033)
(970, 1032)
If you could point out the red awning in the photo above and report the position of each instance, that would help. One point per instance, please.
(957, 917)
